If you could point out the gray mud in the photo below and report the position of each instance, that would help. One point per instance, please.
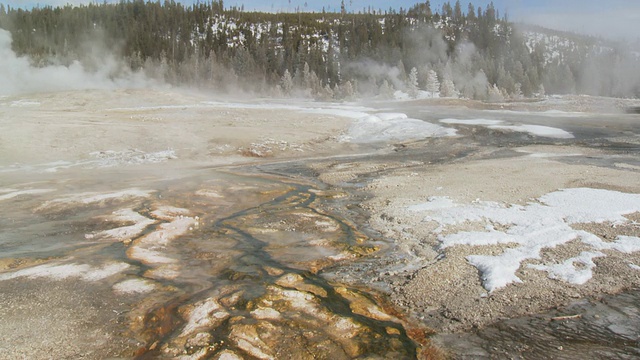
(604, 328)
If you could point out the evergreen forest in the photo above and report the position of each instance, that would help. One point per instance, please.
(455, 50)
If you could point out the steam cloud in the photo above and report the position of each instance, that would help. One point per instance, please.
(427, 50)
(19, 76)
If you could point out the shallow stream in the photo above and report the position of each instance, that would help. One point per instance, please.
(211, 261)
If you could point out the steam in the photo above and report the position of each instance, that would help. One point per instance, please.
(20, 77)
(426, 50)
(376, 71)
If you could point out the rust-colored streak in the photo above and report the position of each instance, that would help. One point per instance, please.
(158, 324)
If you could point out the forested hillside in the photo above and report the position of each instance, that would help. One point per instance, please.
(455, 50)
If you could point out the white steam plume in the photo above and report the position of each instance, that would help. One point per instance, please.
(18, 76)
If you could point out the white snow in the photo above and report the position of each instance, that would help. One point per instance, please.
(105, 271)
(568, 271)
(472, 121)
(204, 314)
(111, 158)
(14, 193)
(562, 113)
(139, 224)
(149, 248)
(533, 227)
(434, 203)
(100, 159)
(540, 155)
(634, 266)
(624, 244)
(92, 198)
(266, 313)
(149, 256)
(548, 113)
(66, 271)
(24, 103)
(420, 95)
(348, 111)
(134, 286)
(537, 130)
(393, 127)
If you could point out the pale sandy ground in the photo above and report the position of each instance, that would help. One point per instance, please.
(439, 287)
(51, 137)
(43, 128)
(446, 294)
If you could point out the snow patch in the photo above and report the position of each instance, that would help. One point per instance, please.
(419, 95)
(568, 271)
(562, 113)
(12, 193)
(348, 111)
(537, 130)
(531, 228)
(111, 158)
(90, 198)
(65, 271)
(203, 315)
(393, 127)
(24, 103)
(149, 248)
(100, 159)
(148, 256)
(139, 224)
(134, 286)
(472, 121)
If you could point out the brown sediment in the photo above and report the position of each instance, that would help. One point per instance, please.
(235, 259)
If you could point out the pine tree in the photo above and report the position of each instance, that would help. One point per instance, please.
(286, 83)
(541, 91)
(494, 94)
(433, 85)
(517, 92)
(457, 12)
(326, 94)
(386, 91)
(306, 77)
(346, 91)
(448, 88)
(412, 84)
(471, 13)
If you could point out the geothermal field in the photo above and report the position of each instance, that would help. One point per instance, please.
(170, 224)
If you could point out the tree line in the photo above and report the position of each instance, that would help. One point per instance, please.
(467, 51)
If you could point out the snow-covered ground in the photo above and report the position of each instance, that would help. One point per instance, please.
(538, 130)
(529, 229)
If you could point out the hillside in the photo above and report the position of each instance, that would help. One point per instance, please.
(423, 51)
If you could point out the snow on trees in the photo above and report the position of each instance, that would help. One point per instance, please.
(448, 89)
(386, 90)
(252, 48)
(494, 94)
(412, 83)
(286, 83)
(433, 85)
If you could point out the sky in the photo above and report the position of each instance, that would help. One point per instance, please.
(615, 19)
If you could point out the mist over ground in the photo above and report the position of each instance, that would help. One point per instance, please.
(20, 76)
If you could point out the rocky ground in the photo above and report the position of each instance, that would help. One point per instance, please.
(75, 142)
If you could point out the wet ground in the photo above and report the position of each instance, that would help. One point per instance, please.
(197, 262)
(605, 328)
(600, 327)
(261, 261)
